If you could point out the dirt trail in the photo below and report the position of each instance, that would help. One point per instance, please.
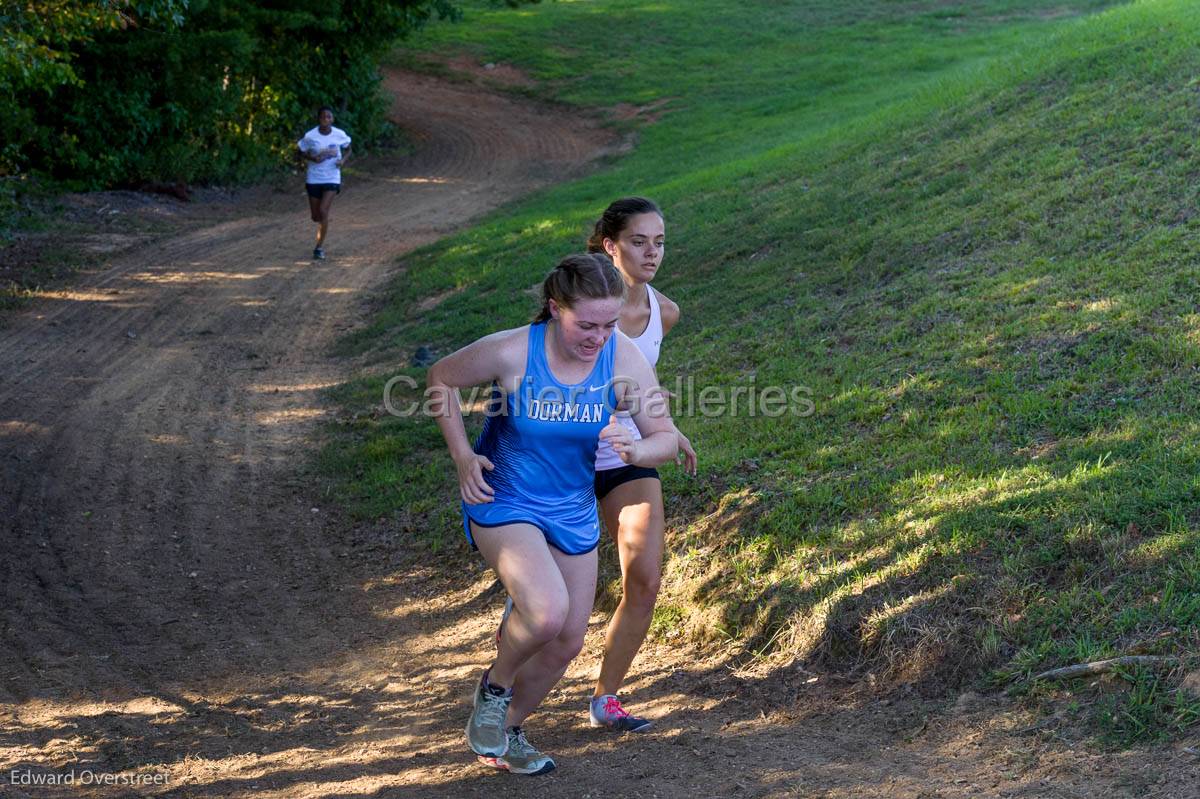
(178, 604)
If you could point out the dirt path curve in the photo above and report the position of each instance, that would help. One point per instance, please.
(179, 609)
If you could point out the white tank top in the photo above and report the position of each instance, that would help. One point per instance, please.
(649, 341)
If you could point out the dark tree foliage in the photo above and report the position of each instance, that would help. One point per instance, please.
(38, 40)
(120, 92)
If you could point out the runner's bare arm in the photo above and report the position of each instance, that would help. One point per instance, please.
(669, 311)
(685, 456)
(638, 388)
(498, 358)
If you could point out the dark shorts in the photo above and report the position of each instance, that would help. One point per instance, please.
(317, 190)
(608, 479)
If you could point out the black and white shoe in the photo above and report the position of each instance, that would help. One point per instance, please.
(486, 734)
(521, 757)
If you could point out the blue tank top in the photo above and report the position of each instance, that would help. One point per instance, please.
(542, 442)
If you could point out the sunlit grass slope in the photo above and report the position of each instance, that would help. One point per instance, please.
(972, 235)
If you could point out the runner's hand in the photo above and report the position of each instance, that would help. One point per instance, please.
(621, 440)
(686, 456)
(472, 486)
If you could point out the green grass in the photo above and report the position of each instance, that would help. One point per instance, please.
(1150, 711)
(41, 246)
(971, 234)
(26, 267)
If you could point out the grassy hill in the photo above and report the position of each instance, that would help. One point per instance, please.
(968, 232)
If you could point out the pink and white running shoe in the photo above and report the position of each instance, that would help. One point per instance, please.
(606, 711)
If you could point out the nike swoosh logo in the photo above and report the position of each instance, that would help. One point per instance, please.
(600, 387)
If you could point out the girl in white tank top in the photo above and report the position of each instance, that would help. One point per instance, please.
(631, 232)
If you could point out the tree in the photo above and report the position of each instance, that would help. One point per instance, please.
(39, 40)
(37, 36)
(112, 92)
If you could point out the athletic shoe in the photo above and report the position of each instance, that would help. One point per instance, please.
(508, 608)
(485, 728)
(606, 711)
(521, 757)
(318, 254)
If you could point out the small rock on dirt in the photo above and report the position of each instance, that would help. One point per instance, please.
(967, 702)
(424, 356)
(1191, 684)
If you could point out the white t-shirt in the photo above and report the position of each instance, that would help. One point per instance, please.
(314, 141)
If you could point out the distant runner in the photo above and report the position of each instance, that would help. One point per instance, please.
(327, 149)
(527, 485)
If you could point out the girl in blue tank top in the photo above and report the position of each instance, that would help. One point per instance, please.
(526, 486)
(541, 442)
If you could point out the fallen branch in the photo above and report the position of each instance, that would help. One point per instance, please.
(1103, 666)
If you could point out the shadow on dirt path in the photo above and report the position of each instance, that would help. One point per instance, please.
(182, 618)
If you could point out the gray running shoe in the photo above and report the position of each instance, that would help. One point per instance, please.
(508, 608)
(606, 711)
(485, 728)
(521, 757)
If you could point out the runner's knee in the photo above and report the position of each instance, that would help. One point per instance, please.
(641, 586)
(544, 624)
(563, 649)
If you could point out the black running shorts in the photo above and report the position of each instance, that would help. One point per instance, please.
(608, 479)
(317, 190)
